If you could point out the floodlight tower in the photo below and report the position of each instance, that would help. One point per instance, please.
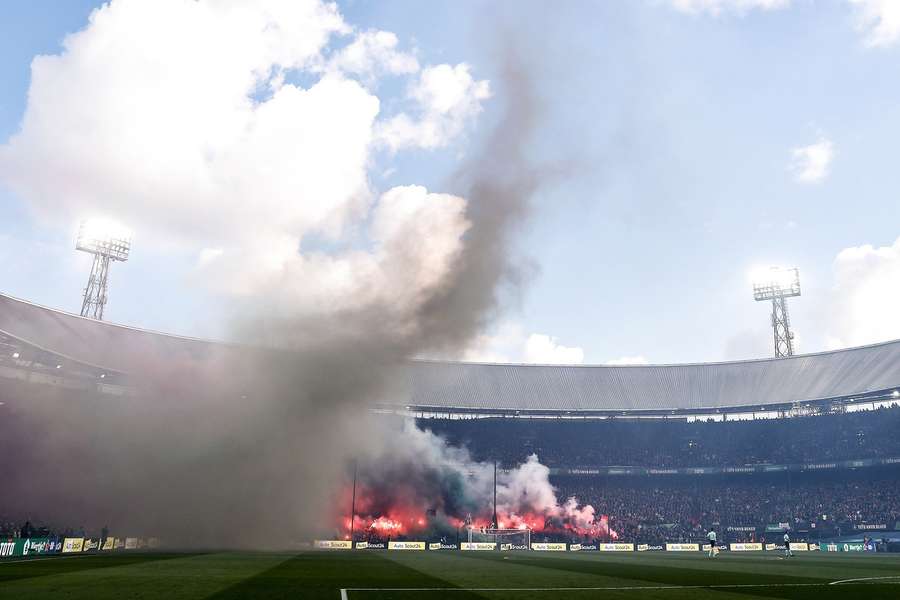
(107, 243)
(777, 284)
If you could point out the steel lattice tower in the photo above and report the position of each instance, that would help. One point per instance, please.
(781, 327)
(777, 285)
(106, 246)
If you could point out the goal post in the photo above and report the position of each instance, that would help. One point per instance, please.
(507, 539)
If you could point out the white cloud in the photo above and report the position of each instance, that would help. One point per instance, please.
(627, 360)
(373, 53)
(179, 119)
(863, 306)
(859, 308)
(810, 164)
(208, 255)
(509, 343)
(750, 343)
(504, 344)
(446, 98)
(544, 349)
(879, 20)
(717, 7)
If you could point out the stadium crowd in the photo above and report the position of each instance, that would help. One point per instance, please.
(11, 527)
(652, 510)
(677, 443)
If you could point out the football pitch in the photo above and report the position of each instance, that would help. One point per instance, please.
(367, 575)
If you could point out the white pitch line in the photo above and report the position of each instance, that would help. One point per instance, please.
(864, 579)
(582, 589)
(344, 591)
(25, 560)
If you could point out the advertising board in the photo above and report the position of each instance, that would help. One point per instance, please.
(616, 547)
(72, 545)
(29, 546)
(682, 547)
(549, 546)
(478, 546)
(7, 549)
(746, 547)
(505, 547)
(442, 546)
(406, 545)
(333, 544)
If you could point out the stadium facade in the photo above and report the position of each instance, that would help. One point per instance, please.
(44, 345)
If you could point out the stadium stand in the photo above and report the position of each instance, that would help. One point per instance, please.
(677, 443)
(665, 450)
(742, 508)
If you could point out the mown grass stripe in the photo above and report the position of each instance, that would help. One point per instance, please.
(35, 568)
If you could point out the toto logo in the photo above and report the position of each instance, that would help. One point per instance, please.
(7, 548)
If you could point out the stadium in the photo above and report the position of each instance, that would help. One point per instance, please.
(395, 300)
(755, 449)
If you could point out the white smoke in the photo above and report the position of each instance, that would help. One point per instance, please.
(187, 120)
(187, 117)
(415, 471)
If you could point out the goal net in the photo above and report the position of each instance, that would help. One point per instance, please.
(507, 539)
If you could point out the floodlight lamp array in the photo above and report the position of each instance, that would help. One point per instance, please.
(103, 241)
(777, 282)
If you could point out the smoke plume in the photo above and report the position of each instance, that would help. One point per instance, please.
(416, 484)
(247, 445)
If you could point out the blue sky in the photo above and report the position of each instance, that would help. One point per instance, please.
(685, 131)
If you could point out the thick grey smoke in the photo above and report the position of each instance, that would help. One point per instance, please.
(499, 182)
(418, 484)
(248, 445)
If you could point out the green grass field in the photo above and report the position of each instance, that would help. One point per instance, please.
(366, 575)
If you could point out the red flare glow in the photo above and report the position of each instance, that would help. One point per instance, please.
(402, 520)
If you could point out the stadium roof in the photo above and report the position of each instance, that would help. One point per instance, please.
(450, 386)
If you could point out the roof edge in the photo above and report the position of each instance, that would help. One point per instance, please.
(450, 362)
